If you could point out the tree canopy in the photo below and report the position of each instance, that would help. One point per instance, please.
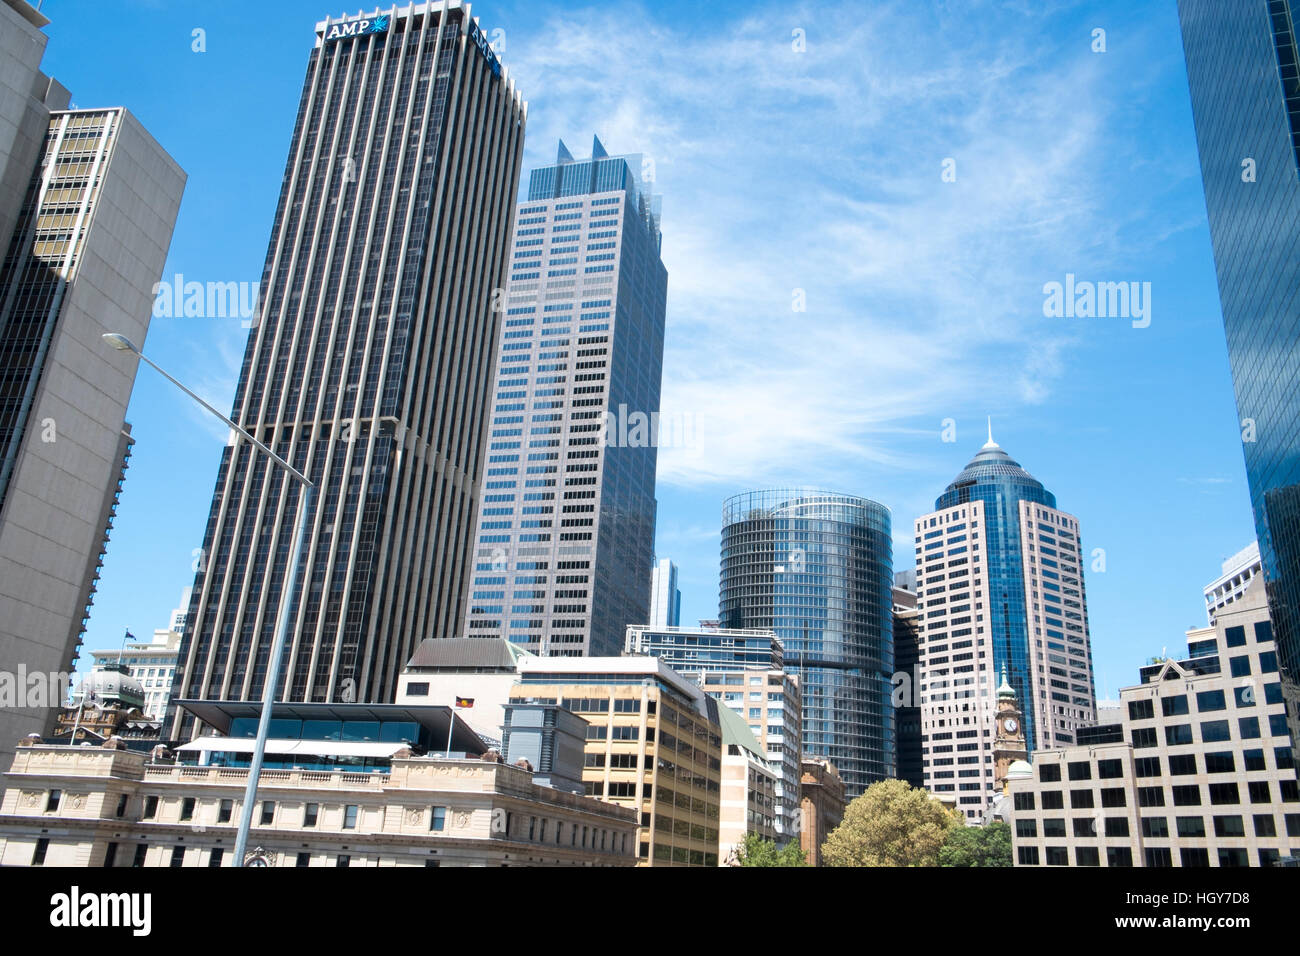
(977, 846)
(890, 824)
(756, 851)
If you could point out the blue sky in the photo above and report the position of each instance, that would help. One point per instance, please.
(785, 174)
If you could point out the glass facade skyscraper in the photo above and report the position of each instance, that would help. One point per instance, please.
(567, 514)
(999, 583)
(1243, 71)
(817, 568)
(369, 368)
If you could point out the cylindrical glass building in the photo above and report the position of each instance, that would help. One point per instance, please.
(817, 568)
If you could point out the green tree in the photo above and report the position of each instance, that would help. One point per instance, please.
(755, 851)
(977, 846)
(890, 824)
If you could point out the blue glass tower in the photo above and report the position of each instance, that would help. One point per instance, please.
(817, 568)
(1242, 71)
(994, 478)
(999, 586)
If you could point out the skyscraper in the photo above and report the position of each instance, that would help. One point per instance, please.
(1243, 70)
(88, 200)
(567, 514)
(999, 585)
(369, 366)
(817, 568)
(665, 598)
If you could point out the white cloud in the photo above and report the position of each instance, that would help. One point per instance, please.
(920, 294)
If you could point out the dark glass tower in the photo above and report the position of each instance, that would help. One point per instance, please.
(817, 568)
(567, 516)
(370, 365)
(1242, 70)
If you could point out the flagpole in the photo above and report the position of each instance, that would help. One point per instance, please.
(451, 726)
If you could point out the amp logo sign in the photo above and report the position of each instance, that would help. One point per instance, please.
(357, 27)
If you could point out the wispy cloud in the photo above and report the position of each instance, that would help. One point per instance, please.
(916, 292)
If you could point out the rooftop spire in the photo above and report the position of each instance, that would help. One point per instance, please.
(1005, 689)
(990, 443)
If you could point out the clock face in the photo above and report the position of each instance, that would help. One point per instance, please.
(1010, 725)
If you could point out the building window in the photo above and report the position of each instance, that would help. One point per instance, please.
(1146, 767)
(1156, 827)
(141, 851)
(1222, 793)
(1080, 770)
(350, 817)
(52, 801)
(150, 808)
(225, 810)
(1027, 828)
(1158, 856)
(1057, 856)
(121, 805)
(1081, 799)
(1229, 826)
(1265, 825)
(110, 855)
(268, 813)
(1050, 773)
(1194, 856)
(1174, 706)
(1119, 856)
(1028, 855)
(187, 808)
(1187, 796)
(417, 689)
(438, 818)
(343, 859)
(178, 856)
(214, 858)
(1117, 826)
(1191, 826)
(38, 854)
(304, 859)
(1141, 710)
(1087, 856)
(1110, 769)
(1182, 765)
(310, 814)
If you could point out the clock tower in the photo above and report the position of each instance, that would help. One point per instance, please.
(1008, 734)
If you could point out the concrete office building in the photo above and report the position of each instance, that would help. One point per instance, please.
(822, 800)
(87, 204)
(152, 663)
(369, 367)
(817, 568)
(1243, 60)
(665, 598)
(653, 744)
(1198, 773)
(743, 670)
(1238, 571)
(330, 802)
(999, 584)
(748, 802)
(567, 514)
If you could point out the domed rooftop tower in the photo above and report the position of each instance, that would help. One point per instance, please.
(1000, 592)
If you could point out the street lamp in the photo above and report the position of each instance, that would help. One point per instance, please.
(123, 344)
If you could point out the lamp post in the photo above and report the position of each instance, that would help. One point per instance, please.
(123, 344)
